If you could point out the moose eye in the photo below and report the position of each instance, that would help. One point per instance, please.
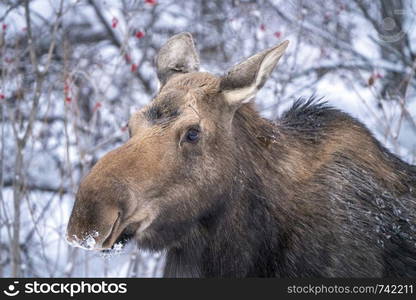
(192, 136)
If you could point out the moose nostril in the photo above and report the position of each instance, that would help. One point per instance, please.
(113, 229)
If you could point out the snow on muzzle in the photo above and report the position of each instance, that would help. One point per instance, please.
(97, 219)
(88, 235)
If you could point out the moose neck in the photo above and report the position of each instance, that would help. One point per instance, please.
(239, 238)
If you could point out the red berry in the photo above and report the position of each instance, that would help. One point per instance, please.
(4, 26)
(127, 58)
(378, 75)
(327, 16)
(278, 34)
(139, 34)
(68, 99)
(151, 2)
(134, 68)
(114, 22)
(97, 106)
(2, 96)
(262, 27)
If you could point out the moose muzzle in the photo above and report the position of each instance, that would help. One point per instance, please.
(98, 215)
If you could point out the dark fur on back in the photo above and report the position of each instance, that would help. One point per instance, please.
(313, 194)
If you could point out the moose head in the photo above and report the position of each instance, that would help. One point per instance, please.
(178, 164)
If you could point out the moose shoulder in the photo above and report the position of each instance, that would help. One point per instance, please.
(228, 193)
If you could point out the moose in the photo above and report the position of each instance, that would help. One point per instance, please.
(228, 193)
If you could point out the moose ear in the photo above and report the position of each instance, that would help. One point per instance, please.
(242, 82)
(177, 55)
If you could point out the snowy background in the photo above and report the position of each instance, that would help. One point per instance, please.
(71, 73)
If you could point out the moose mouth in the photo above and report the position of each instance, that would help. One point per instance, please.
(125, 237)
(117, 239)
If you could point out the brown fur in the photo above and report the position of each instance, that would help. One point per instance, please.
(312, 194)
